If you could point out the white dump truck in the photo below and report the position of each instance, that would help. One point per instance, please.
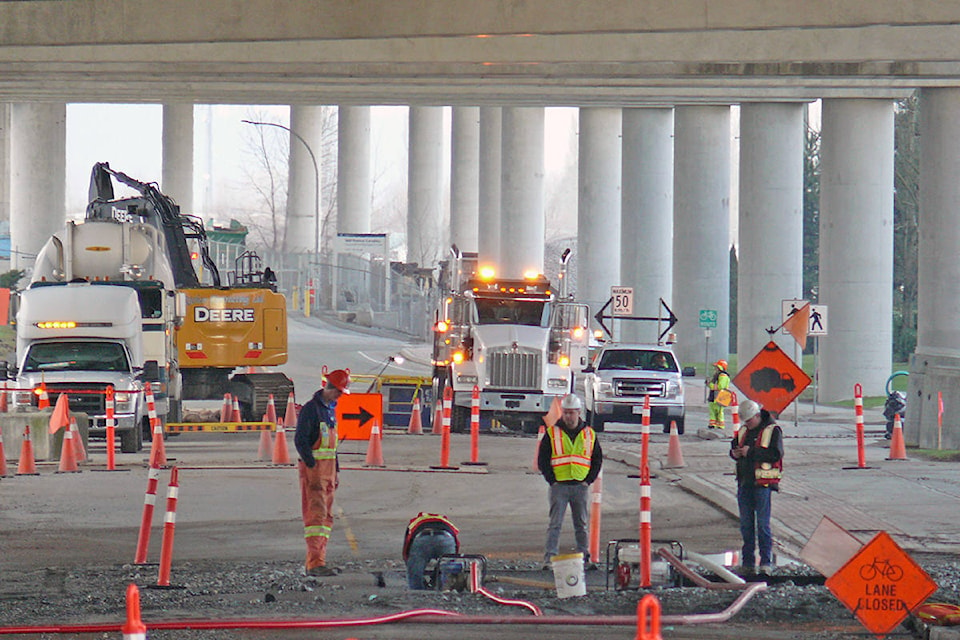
(80, 338)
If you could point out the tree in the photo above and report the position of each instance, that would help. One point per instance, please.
(266, 174)
(906, 219)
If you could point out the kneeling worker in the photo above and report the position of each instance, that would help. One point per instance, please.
(429, 536)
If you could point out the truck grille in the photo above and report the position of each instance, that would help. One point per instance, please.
(90, 403)
(632, 388)
(515, 369)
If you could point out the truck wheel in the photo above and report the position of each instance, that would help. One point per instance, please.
(594, 421)
(459, 419)
(530, 426)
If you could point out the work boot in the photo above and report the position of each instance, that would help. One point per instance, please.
(747, 570)
(322, 572)
(765, 569)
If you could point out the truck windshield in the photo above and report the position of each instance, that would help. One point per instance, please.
(76, 356)
(638, 359)
(532, 313)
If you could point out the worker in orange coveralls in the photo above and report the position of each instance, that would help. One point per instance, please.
(316, 443)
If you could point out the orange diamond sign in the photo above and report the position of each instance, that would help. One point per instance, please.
(881, 585)
(772, 379)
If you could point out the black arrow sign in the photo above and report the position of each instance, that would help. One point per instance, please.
(363, 417)
(670, 319)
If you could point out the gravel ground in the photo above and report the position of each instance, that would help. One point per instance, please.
(221, 591)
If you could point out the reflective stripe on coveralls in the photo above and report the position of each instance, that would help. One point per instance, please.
(571, 459)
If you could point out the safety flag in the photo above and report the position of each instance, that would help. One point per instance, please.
(798, 324)
(60, 417)
(550, 417)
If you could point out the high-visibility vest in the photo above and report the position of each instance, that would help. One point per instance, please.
(765, 474)
(325, 448)
(571, 459)
(424, 520)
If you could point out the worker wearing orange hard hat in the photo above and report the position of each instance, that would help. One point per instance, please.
(719, 396)
(316, 442)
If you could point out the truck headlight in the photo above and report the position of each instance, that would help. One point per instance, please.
(673, 389)
(557, 383)
(605, 388)
(121, 397)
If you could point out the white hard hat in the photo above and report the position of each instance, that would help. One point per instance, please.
(748, 409)
(570, 401)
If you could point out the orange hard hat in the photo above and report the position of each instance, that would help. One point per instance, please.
(339, 378)
(721, 363)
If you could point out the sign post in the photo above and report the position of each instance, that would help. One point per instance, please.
(708, 321)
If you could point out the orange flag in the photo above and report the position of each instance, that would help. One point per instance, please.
(60, 417)
(550, 417)
(798, 324)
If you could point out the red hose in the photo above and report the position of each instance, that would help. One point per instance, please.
(517, 603)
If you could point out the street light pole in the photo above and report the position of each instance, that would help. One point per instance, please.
(316, 171)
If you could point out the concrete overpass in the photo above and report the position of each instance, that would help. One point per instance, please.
(683, 61)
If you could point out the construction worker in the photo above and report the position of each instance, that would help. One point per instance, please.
(758, 450)
(720, 381)
(429, 536)
(569, 459)
(316, 443)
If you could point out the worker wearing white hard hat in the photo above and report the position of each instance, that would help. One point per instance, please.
(758, 450)
(570, 459)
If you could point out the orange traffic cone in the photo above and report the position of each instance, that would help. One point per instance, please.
(78, 448)
(898, 450)
(226, 411)
(27, 465)
(265, 451)
(68, 455)
(3, 457)
(60, 417)
(374, 448)
(437, 427)
(674, 455)
(416, 425)
(271, 415)
(43, 402)
(235, 414)
(3, 399)
(290, 416)
(158, 450)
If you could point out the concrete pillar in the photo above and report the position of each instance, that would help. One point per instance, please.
(770, 245)
(426, 239)
(303, 185)
(598, 206)
(38, 141)
(354, 186)
(701, 245)
(646, 217)
(521, 195)
(488, 236)
(935, 367)
(177, 169)
(856, 245)
(5, 110)
(465, 177)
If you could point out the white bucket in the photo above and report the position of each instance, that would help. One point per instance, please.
(568, 575)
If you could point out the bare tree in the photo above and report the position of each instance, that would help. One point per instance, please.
(266, 172)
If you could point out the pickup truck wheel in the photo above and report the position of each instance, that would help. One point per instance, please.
(594, 421)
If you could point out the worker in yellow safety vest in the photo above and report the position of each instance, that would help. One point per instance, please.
(570, 459)
(316, 442)
(719, 382)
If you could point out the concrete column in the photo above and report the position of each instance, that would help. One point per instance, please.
(598, 205)
(5, 110)
(426, 238)
(701, 244)
(646, 217)
(177, 170)
(38, 146)
(935, 367)
(465, 177)
(488, 237)
(303, 185)
(771, 222)
(856, 245)
(354, 185)
(521, 196)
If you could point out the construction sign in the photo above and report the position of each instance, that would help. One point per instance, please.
(357, 413)
(881, 584)
(772, 379)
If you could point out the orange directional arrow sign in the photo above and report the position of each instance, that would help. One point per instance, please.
(357, 413)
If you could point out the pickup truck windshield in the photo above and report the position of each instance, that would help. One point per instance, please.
(76, 356)
(638, 360)
(532, 313)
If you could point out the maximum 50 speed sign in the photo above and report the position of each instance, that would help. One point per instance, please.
(622, 301)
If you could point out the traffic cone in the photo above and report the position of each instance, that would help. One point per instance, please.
(290, 416)
(27, 465)
(674, 455)
(265, 451)
(898, 450)
(280, 453)
(78, 449)
(158, 450)
(60, 417)
(226, 411)
(68, 456)
(235, 414)
(43, 402)
(133, 628)
(271, 415)
(416, 425)
(374, 448)
(3, 399)
(437, 427)
(3, 457)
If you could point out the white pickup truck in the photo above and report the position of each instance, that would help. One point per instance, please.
(621, 375)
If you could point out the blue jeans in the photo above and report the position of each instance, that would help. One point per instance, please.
(576, 495)
(754, 503)
(426, 546)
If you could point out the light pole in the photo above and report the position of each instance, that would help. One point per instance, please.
(316, 171)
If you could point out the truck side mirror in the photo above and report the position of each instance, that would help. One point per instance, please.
(589, 369)
(7, 370)
(689, 372)
(151, 371)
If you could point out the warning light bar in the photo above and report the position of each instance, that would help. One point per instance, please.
(69, 324)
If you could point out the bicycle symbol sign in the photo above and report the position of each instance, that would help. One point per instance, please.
(881, 569)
